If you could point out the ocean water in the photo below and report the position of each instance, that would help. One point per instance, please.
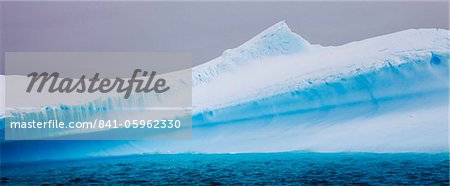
(242, 169)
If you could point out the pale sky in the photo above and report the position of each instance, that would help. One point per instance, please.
(204, 29)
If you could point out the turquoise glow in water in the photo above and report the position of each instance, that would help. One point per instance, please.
(228, 169)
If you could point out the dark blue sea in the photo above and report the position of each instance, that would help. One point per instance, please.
(238, 169)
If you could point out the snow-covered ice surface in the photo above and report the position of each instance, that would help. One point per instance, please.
(278, 93)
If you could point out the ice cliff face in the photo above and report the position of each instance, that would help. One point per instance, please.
(316, 66)
(277, 93)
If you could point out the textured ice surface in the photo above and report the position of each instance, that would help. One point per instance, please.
(278, 93)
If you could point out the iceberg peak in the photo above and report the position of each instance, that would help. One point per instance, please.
(274, 41)
(282, 31)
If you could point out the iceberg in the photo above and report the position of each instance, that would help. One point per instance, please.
(277, 93)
